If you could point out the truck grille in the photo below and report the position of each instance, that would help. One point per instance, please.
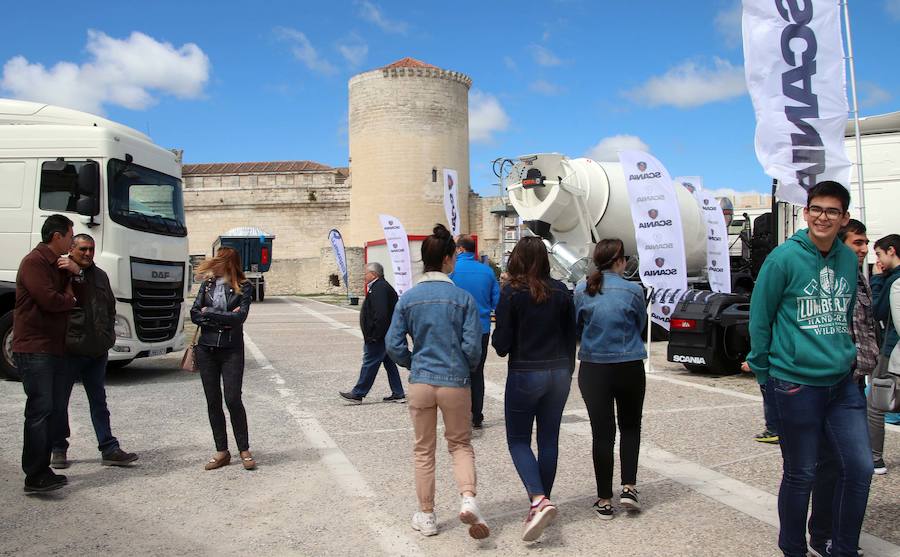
(156, 306)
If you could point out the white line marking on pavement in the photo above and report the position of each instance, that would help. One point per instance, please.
(330, 320)
(346, 475)
(706, 388)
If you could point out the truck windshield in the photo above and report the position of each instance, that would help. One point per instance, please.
(144, 199)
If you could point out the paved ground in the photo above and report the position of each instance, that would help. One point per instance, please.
(336, 479)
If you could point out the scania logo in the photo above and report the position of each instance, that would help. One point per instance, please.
(395, 245)
(660, 262)
(642, 166)
(690, 187)
(390, 223)
(706, 201)
(714, 263)
(688, 359)
(666, 310)
(653, 213)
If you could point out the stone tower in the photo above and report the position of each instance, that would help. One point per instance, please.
(408, 121)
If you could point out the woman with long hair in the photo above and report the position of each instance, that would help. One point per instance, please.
(536, 328)
(442, 320)
(220, 310)
(611, 314)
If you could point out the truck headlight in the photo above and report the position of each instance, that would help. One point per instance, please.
(123, 329)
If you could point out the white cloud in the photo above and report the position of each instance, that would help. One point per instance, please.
(543, 57)
(125, 72)
(304, 51)
(893, 8)
(486, 117)
(728, 24)
(689, 85)
(373, 14)
(607, 149)
(354, 50)
(544, 87)
(872, 95)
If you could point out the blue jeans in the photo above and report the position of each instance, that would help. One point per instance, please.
(92, 372)
(42, 374)
(541, 395)
(374, 354)
(768, 411)
(811, 420)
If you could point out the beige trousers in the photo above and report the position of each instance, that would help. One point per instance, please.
(455, 404)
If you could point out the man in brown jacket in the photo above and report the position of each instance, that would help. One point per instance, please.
(44, 298)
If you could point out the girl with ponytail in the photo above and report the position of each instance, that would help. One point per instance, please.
(442, 320)
(610, 315)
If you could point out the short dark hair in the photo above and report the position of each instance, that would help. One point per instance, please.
(829, 188)
(466, 242)
(436, 247)
(83, 237)
(889, 241)
(853, 227)
(53, 224)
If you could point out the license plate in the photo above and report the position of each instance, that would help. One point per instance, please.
(156, 352)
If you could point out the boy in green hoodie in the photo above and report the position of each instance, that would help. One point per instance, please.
(802, 351)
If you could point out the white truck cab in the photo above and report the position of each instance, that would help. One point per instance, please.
(115, 184)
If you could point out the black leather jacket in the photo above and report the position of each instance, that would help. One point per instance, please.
(221, 329)
(91, 330)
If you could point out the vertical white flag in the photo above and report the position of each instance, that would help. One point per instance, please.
(398, 248)
(718, 262)
(657, 231)
(794, 65)
(451, 200)
(340, 254)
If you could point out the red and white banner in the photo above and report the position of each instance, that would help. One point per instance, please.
(451, 200)
(398, 248)
(657, 231)
(794, 65)
(718, 262)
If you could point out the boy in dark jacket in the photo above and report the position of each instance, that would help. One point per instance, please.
(374, 320)
(802, 351)
(90, 335)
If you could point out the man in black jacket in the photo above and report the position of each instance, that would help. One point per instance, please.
(90, 335)
(374, 320)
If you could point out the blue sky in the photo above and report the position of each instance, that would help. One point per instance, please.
(239, 81)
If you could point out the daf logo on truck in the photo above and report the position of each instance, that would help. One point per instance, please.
(163, 275)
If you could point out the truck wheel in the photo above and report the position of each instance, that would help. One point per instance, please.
(113, 365)
(262, 291)
(7, 365)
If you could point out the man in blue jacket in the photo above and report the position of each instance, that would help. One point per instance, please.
(478, 280)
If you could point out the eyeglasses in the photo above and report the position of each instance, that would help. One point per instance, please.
(831, 213)
(90, 248)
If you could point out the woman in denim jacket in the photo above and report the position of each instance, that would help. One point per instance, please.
(610, 315)
(442, 320)
(536, 327)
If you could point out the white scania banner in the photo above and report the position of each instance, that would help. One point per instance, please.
(657, 231)
(398, 248)
(340, 254)
(718, 264)
(451, 200)
(794, 65)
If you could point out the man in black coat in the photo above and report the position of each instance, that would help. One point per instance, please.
(374, 320)
(90, 335)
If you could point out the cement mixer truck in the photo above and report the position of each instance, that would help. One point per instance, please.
(573, 203)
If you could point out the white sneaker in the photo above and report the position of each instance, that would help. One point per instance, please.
(425, 523)
(469, 514)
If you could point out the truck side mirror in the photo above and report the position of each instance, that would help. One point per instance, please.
(88, 189)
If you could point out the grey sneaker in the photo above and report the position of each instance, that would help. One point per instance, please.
(118, 457)
(58, 460)
(425, 523)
